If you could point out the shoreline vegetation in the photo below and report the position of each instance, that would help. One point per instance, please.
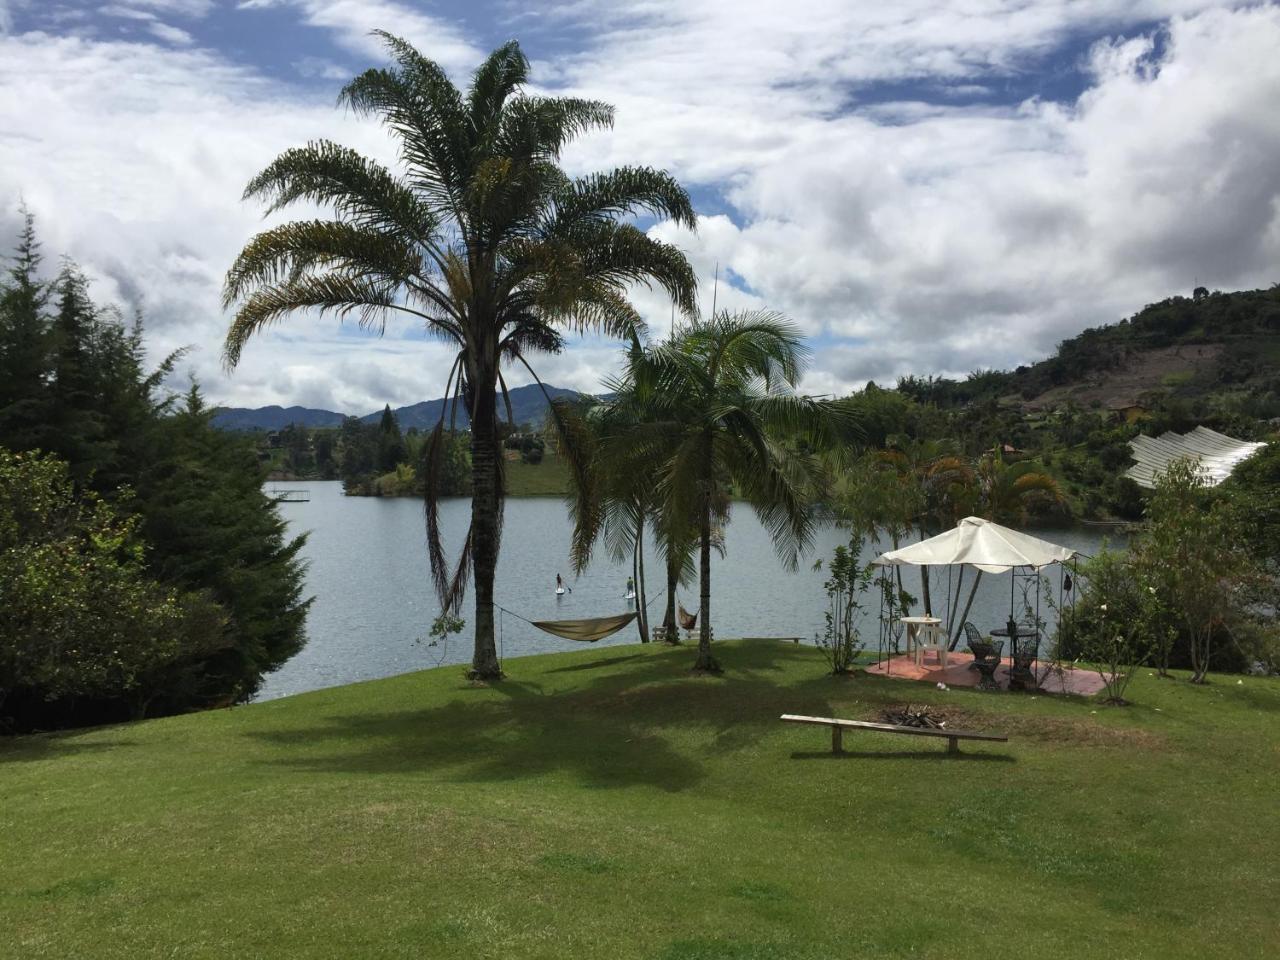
(1208, 359)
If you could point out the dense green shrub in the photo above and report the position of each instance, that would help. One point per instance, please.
(80, 615)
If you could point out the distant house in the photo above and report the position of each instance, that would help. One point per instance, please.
(273, 439)
(1128, 410)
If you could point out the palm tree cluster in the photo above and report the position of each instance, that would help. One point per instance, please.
(692, 424)
(480, 236)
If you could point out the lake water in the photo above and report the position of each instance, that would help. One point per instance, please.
(374, 604)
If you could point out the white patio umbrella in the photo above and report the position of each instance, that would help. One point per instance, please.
(978, 543)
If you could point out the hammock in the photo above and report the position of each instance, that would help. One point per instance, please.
(687, 620)
(587, 631)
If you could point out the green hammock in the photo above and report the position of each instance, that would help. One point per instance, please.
(587, 631)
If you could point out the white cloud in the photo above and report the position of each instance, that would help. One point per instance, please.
(977, 236)
(910, 237)
(352, 23)
(170, 34)
(126, 13)
(318, 67)
(182, 8)
(134, 157)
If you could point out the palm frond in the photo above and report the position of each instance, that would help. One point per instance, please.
(355, 187)
(420, 104)
(622, 192)
(293, 250)
(368, 299)
(539, 127)
(503, 72)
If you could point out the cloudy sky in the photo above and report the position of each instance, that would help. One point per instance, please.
(925, 187)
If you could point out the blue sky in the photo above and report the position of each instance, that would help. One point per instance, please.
(924, 187)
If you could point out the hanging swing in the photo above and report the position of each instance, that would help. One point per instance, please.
(688, 622)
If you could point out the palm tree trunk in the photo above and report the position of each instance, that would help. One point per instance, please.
(955, 602)
(641, 619)
(485, 517)
(705, 660)
(670, 629)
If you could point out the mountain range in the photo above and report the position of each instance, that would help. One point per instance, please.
(528, 405)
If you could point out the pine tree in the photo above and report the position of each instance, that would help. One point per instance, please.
(391, 449)
(212, 527)
(25, 347)
(75, 404)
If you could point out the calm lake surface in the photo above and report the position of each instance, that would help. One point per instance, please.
(374, 604)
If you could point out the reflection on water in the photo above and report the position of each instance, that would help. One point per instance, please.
(367, 569)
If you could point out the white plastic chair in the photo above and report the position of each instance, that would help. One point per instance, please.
(931, 638)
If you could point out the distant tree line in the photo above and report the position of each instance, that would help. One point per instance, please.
(377, 459)
(143, 569)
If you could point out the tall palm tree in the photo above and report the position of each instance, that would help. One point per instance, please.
(480, 236)
(620, 499)
(723, 412)
(612, 505)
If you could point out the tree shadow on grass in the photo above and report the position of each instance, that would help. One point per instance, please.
(609, 730)
(596, 664)
(44, 746)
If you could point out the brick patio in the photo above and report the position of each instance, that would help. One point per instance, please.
(1081, 682)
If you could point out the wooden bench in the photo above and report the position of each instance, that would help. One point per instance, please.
(838, 727)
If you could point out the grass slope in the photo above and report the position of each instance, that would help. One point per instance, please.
(550, 478)
(608, 804)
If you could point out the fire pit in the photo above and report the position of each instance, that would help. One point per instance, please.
(911, 716)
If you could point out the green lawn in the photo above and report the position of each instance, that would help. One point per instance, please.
(607, 804)
(550, 478)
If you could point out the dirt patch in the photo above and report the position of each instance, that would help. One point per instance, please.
(1144, 372)
(1076, 731)
(1086, 732)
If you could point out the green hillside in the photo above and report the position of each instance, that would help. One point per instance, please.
(1211, 359)
(606, 803)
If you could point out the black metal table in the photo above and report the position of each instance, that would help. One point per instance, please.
(1031, 631)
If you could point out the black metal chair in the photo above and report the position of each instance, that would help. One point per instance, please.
(1024, 653)
(986, 660)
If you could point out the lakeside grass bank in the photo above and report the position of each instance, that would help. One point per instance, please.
(607, 803)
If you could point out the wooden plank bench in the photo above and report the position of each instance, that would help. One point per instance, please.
(838, 727)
